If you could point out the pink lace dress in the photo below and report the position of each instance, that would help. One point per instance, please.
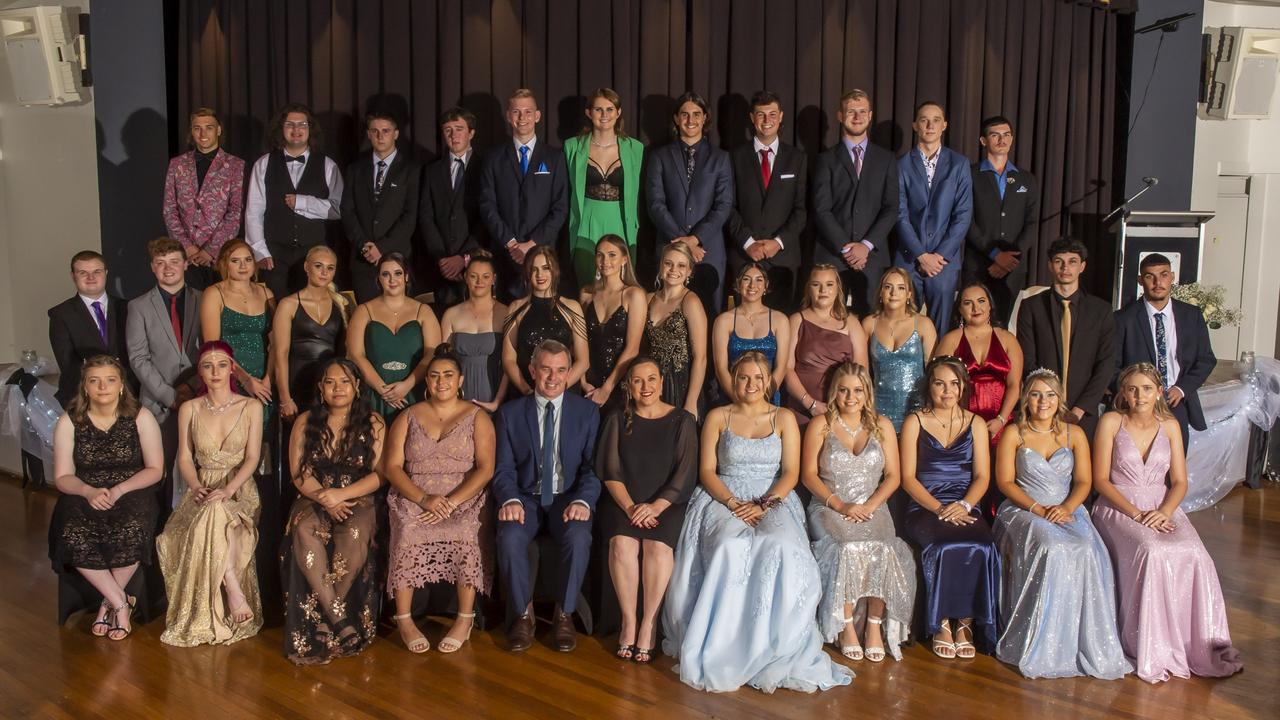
(458, 550)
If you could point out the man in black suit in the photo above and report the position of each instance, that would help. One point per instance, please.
(769, 209)
(379, 204)
(90, 323)
(524, 193)
(1086, 363)
(855, 204)
(1169, 334)
(294, 192)
(449, 213)
(1006, 219)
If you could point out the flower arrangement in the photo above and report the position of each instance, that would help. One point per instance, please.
(1209, 298)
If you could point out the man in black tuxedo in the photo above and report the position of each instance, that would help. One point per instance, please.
(524, 193)
(449, 213)
(295, 191)
(1169, 334)
(379, 204)
(1006, 219)
(855, 204)
(1086, 363)
(89, 323)
(769, 209)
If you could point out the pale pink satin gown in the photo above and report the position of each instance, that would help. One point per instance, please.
(1173, 620)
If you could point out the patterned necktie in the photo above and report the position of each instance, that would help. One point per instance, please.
(857, 161)
(548, 454)
(1066, 342)
(377, 181)
(101, 318)
(459, 169)
(765, 170)
(689, 150)
(173, 319)
(524, 159)
(1162, 350)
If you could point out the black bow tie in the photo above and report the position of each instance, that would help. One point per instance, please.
(297, 159)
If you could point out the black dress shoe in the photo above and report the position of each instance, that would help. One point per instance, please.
(520, 636)
(563, 632)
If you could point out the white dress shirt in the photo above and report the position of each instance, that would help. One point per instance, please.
(930, 163)
(390, 158)
(314, 208)
(773, 168)
(1170, 338)
(557, 472)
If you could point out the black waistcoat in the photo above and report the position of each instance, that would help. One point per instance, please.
(283, 227)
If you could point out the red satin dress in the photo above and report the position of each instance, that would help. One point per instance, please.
(987, 378)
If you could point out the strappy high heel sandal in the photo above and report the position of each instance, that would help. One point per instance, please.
(854, 651)
(449, 645)
(104, 623)
(116, 627)
(417, 645)
(943, 649)
(876, 655)
(965, 649)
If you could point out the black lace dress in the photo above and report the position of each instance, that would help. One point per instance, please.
(82, 537)
(332, 595)
(606, 340)
(543, 320)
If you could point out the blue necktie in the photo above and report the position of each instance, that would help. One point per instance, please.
(524, 159)
(548, 454)
(1162, 351)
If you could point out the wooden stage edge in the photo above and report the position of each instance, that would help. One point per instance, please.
(47, 671)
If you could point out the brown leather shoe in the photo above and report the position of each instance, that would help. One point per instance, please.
(563, 632)
(520, 636)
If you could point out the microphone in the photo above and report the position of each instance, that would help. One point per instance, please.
(1151, 181)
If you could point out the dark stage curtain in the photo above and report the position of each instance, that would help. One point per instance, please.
(1049, 65)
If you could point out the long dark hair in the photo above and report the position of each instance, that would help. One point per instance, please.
(629, 408)
(576, 321)
(355, 447)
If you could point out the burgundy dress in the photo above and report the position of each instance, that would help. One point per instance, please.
(985, 399)
(817, 351)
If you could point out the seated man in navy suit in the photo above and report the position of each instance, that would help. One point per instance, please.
(544, 477)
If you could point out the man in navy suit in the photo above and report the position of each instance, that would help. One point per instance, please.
(855, 204)
(935, 206)
(769, 211)
(690, 187)
(1170, 334)
(90, 323)
(544, 477)
(524, 193)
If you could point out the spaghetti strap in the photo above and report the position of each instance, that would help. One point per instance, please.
(773, 421)
(770, 322)
(735, 320)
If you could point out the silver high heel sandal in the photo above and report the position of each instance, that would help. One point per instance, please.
(449, 645)
(875, 655)
(854, 651)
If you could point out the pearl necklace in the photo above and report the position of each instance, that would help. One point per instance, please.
(218, 409)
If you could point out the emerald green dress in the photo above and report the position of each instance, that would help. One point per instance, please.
(247, 336)
(603, 201)
(393, 356)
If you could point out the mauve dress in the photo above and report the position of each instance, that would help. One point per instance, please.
(1173, 619)
(817, 351)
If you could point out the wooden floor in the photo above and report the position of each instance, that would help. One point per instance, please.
(47, 671)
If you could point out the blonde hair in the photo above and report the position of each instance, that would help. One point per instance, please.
(761, 361)
(839, 311)
(1121, 404)
(912, 308)
(522, 93)
(868, 418)
(1050, 378)
(339, 300)
(628, 272)
(674, 247)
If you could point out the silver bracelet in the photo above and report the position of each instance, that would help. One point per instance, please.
(967, 507)
(827, 502)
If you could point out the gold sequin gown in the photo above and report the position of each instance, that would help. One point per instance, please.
(193, 547)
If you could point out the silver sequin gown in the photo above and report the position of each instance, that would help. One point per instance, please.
(1058, 601)
(740, 607)
(860, 560)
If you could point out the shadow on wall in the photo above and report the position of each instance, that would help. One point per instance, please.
(733, 121)
(491, 127)
(131, 200)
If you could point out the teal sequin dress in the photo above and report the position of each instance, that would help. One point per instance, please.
(247, 336)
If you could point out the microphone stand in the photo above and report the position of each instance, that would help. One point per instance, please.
(1124, 206)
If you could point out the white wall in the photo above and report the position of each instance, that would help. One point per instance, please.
(48, 205)
(1249, 149)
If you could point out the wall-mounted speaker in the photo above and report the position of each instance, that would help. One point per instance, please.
(1245, 63)
(46, 59)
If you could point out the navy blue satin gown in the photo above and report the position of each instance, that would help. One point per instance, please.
(961, 564)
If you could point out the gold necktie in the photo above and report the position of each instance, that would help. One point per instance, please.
(1066, 342)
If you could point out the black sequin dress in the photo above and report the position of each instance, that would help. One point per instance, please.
(669, 345)
(542, 320)
(606, 341)
(82, 537)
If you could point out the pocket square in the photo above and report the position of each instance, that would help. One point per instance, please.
(1022, 189)
(788, 176)
(542, 169)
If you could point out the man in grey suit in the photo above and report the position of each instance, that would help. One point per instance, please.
(163, 337)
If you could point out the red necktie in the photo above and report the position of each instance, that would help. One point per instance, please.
(764, 167)
(173, 318)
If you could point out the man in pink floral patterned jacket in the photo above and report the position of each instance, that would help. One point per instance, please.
(204, 198)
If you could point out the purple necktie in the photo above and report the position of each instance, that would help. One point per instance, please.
(102, 321)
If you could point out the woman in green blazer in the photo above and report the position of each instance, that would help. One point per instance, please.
(604, 183)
